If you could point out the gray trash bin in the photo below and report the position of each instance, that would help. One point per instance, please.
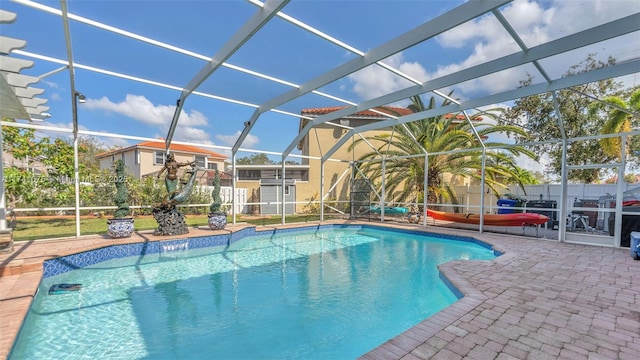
(635, 245)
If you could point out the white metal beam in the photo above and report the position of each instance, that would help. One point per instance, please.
(74, 111)
(587, 37)
(436, 26)
(255, 23)
(613, 71)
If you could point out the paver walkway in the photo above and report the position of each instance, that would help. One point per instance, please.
(540, 300)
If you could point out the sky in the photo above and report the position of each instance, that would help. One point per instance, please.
(280, 50)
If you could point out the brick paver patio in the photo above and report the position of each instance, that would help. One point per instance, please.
(540, 300)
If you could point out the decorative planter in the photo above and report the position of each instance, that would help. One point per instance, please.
(217, 221)
(120, 228)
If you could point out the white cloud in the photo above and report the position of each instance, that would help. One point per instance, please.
(486, 39)
(192, 134)
(374, 81)
(55, 96)
(51, 84)
(140, 108)
(229, 140)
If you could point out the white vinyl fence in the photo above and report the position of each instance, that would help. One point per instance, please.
(225, 194)
(469, 196)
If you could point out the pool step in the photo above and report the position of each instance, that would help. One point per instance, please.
(21, 266)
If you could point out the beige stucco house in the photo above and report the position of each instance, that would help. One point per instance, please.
(147, 158)
(323, 137)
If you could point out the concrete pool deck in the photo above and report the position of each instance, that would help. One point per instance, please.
(541, 300)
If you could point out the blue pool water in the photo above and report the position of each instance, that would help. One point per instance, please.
(328, 293)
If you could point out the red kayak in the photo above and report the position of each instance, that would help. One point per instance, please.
(515, 219)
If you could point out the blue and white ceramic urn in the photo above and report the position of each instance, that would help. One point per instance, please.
(120, 227)
(217, 221)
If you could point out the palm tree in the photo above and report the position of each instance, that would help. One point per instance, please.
(618, 121)
(444, 137)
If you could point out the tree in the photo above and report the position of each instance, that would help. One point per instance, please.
(215, 195)
(262, 159)
(89, 147)
(617, 120)
(255, 159)
(55, 187)
(525, 176)
(122, 192)
(538, 115)
(20, 183)
(405, 176)
(20, 142)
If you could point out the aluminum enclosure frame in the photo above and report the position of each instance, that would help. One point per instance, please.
(273, 9)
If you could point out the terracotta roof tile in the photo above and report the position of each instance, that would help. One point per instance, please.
(387, 109)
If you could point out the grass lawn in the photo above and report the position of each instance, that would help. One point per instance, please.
(33, 228)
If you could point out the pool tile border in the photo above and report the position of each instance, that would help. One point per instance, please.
(62, 264)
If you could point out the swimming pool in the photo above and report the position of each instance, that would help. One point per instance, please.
(326, 292)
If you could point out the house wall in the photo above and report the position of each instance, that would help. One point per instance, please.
(317, 143)
(129, 162)
(148, 164)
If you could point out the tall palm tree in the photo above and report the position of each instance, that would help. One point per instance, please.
(456, 151)
(618, 121)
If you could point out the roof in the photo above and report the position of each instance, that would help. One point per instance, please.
(391, 110)
(160, 145)
(386, 109)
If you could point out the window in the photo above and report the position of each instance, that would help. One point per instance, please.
(287, 190)
(200, 161)
(212, 166)
(248, 174)
(270, 174)
(137, 156)
(298, 174)
(123, 158)
(158, 158)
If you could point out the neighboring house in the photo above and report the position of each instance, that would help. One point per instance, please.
(32, 164)
(323, 137)
(147, 159)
